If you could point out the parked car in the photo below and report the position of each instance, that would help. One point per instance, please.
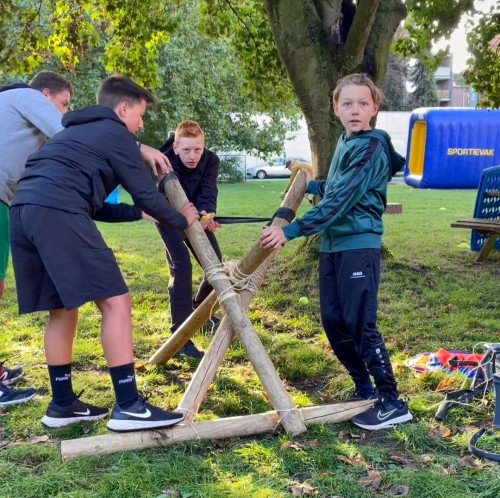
(274, 169)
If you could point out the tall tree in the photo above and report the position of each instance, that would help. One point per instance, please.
(425, 88)
(319, 41)
(396, 96)
(484, 73)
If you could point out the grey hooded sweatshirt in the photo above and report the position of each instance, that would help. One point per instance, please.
(28, 118)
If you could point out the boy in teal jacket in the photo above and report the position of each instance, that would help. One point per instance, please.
(349, 217)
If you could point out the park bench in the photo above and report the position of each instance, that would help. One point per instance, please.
(489, 228)
(485, 225)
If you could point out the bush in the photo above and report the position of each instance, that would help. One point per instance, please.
(231, 169)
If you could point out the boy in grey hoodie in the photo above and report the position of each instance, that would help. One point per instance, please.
(30, 114)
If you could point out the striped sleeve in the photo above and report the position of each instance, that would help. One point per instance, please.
(348, 188)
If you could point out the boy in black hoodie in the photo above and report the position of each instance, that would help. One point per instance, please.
(61, 261)
(197, 169)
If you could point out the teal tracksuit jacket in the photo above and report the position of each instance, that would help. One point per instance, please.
(354, 196)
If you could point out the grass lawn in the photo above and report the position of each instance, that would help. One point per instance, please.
(432, 295)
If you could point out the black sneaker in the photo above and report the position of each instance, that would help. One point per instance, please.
(356, 396)
(78, 411)
(10, 375)
(9, 396)
(189, 349)
(141, 415)
(384, 414)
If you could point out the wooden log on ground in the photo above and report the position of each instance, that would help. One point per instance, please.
(246, 425)
(230, 301)
(246, 266)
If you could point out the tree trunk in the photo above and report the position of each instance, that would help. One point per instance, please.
(309, 42)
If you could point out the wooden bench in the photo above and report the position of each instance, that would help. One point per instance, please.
(490, 227)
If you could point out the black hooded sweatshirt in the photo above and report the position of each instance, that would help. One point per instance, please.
(79, 167)
(200, 183)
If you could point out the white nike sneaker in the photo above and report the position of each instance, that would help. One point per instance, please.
(141, 415)
(78, 411)
(383, 414)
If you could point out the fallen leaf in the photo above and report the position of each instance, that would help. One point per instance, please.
(372, 481)
(451, 470)
(470, 461)
(170, 493)
(438, 433)
(38, 439)
(303, 489)
(300, 445)
(398, 490)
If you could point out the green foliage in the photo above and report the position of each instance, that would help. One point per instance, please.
(202, 79)
(396, 96)
(425, 93)
(130, 31)
(231, 169)
(428, 21)
(484, 71)
(245, 25)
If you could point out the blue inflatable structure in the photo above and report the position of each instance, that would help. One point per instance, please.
(450, 147)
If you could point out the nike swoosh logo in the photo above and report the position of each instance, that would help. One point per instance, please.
(146, 414)
(83, 413)
(383, 416)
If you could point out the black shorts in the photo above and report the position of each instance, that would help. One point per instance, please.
(60, 260)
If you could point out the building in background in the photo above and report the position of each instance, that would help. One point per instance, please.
(444, 82)
(452, 91)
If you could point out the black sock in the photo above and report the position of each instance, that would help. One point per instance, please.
(60, 381)
(123, 378)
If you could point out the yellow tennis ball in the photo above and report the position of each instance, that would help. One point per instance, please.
(304, 300)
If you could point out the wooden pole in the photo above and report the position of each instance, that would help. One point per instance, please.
(222, 428)
(247, 265)
(231, 303)
(207, 369)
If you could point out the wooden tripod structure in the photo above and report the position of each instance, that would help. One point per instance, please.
(234, 298)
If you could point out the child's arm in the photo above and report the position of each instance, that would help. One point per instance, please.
(117, 213)
(364, 164)
(159, 162)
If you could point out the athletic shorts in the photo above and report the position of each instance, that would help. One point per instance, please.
(60, 260)
(4, 239)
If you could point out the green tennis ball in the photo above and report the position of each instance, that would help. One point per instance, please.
(304, 300)
(463, 245)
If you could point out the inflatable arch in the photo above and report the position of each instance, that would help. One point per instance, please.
(450, 147)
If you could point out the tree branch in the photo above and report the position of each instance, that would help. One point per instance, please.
(360, 28)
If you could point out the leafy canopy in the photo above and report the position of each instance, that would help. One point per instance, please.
(132, 33)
